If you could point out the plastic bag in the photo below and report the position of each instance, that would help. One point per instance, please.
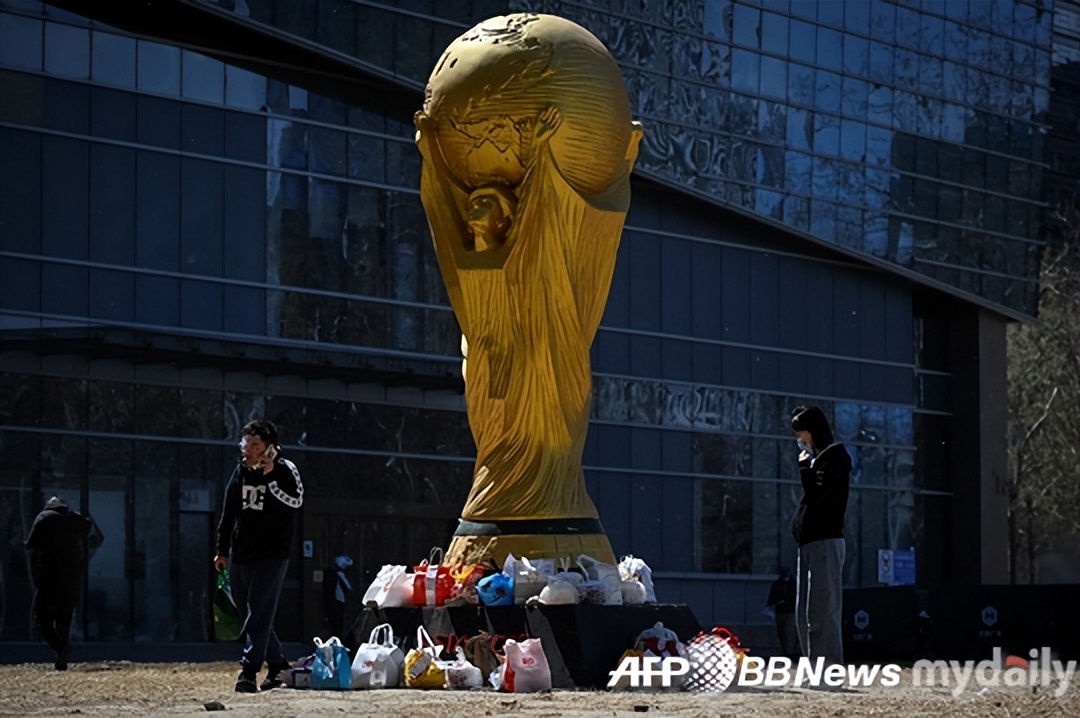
(392, 588)
(602, 584)
(422, 668)
(635, 568)
(227, 622)
(378, 663)
(526, 667)
(530, 576)
(496, 590)
(460, 673)
(560, 590)
(432, 583)
(331, 669)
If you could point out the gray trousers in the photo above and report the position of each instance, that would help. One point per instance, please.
(820, 598)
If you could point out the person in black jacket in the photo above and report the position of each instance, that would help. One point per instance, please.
(57, 550)
(256, 527)
(818, 527)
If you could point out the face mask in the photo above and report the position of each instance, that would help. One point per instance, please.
(804, 446)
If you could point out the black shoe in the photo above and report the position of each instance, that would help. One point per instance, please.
(273, 679)
(246, 685)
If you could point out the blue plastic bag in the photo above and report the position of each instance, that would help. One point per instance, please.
(332, 670)
(496, 590)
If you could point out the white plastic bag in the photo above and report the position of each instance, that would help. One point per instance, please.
(636, 568)
(461, 674)
(530, 576)
(392, 588)
(633, 592)
(602, 584)
(377, 663)
(560, 590)
(526, 668)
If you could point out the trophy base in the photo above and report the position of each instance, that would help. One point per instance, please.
(484, 542)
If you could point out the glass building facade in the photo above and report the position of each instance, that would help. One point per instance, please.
(209, 211)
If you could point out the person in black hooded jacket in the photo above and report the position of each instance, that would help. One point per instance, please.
(256, 527)
(818, 527)
(57, 551)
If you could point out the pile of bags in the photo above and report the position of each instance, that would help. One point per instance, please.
(519, 580)
(509, 665)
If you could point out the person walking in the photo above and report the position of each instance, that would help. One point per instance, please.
(818, 528)
(262, 499)
(57, 551)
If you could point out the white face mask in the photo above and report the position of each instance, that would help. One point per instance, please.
(804, 446)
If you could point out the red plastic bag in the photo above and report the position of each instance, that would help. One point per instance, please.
(433, 582)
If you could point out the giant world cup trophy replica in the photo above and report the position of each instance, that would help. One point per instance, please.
(527, 147)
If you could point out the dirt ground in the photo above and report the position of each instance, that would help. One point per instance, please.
(188, 689)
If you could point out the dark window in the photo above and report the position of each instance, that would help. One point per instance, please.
(244, 233)
(744, 71)
(829, 48)
(112, 114)
(113, 60)
(159, 68)
(747, 26)
(67, 106)
(774, 33)
(245, 137)
(157, 208)
(112, 295)
(157, 301)
(644, 282)
(20, 193)
(244, 89)
(65, 183)
(735, 282)
(200, 217)
(20, 42)
(203, 78)
(803, 42)
(202, 130)
(67, 51)
(158, 122)
(64, 290)
(20, 284)
(112, 205)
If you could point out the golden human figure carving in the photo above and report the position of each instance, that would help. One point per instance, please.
(527, 147)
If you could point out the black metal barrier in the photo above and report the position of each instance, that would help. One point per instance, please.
(902, 623)
(582, 642)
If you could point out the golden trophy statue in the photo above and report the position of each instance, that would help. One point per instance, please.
(527, 147)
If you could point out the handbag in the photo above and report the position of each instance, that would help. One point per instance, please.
(331, 669)
(378, 663)
(392, 588)
(433, 582)
(227, 623)
(422, 669)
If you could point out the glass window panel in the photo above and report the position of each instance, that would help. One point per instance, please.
(20, 42)
(881, 63)
(801, 81)
(245, 137)
(931, 34)
(200, 217)
(797, 171)
(159, 68)
(202, 129)
(803, 41)
(774, 33)
(829, 49)
(112, 205)
(878, 146)
(204, 78)
(244, 89)
(955, 41)
(857, 17)
(853, 140)
(906, 69)
(907, 27)
(113, 61)
(831, 12)
(747, 28)
(856, 55)
(827, 91)
(826, 134)
(108, 596)
(67, 51)
(717, 19)
(65, 187)
(882, 21)
(744, 71)
(854, 96)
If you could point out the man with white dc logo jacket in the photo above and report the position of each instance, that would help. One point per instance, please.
(256, 527)
(818, 527)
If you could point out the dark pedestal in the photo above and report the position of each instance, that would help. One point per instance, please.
(582, 642)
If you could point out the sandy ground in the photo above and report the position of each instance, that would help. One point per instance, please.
(180, 689)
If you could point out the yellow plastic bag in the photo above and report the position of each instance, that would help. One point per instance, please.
(422, 667)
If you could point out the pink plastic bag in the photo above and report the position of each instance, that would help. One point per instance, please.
(526, 669)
